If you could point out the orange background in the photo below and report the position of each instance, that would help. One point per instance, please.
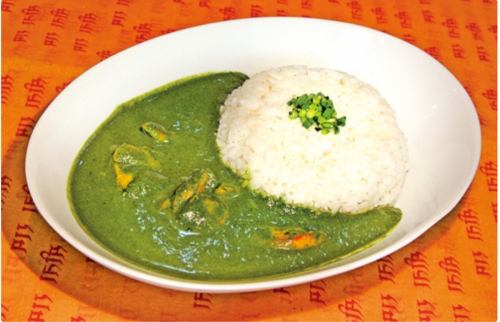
(449, 273)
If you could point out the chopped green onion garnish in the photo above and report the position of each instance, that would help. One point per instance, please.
(318, 110)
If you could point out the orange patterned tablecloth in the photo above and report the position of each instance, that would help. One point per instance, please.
(450, 273)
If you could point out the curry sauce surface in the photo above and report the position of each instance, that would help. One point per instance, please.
(149, 186)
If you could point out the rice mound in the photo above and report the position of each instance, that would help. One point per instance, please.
(362, 167)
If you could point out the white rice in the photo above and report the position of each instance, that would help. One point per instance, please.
(362, 167)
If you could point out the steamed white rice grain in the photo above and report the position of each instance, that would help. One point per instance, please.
(362, 167)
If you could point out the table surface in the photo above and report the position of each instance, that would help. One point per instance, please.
(449, 273)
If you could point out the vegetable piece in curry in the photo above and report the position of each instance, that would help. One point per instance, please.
(155, 131)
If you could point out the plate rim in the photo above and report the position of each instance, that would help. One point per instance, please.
(243, 286)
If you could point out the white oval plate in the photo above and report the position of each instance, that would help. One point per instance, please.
(432, 108)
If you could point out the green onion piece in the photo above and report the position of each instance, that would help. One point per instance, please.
(318, 110)
(308, 123)
(328, 113)
(293, 114)
(341, 121)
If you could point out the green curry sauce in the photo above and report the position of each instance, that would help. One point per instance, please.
(149, 186)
